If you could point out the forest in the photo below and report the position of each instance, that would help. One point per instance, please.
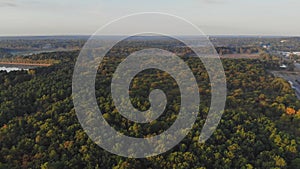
(260, 127)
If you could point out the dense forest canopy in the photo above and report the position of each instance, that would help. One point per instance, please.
(260, 127)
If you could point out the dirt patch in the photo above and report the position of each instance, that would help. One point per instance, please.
(25, 64)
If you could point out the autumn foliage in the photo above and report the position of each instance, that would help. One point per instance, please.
(290, 111)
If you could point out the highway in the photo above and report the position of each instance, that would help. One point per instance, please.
(291, 76)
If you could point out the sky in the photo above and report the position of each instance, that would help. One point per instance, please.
(213, 17)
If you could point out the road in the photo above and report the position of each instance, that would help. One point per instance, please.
(292, 77)
(297, 67)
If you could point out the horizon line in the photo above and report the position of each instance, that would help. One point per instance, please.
(90, 35)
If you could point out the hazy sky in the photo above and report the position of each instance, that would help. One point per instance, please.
(67, 17)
